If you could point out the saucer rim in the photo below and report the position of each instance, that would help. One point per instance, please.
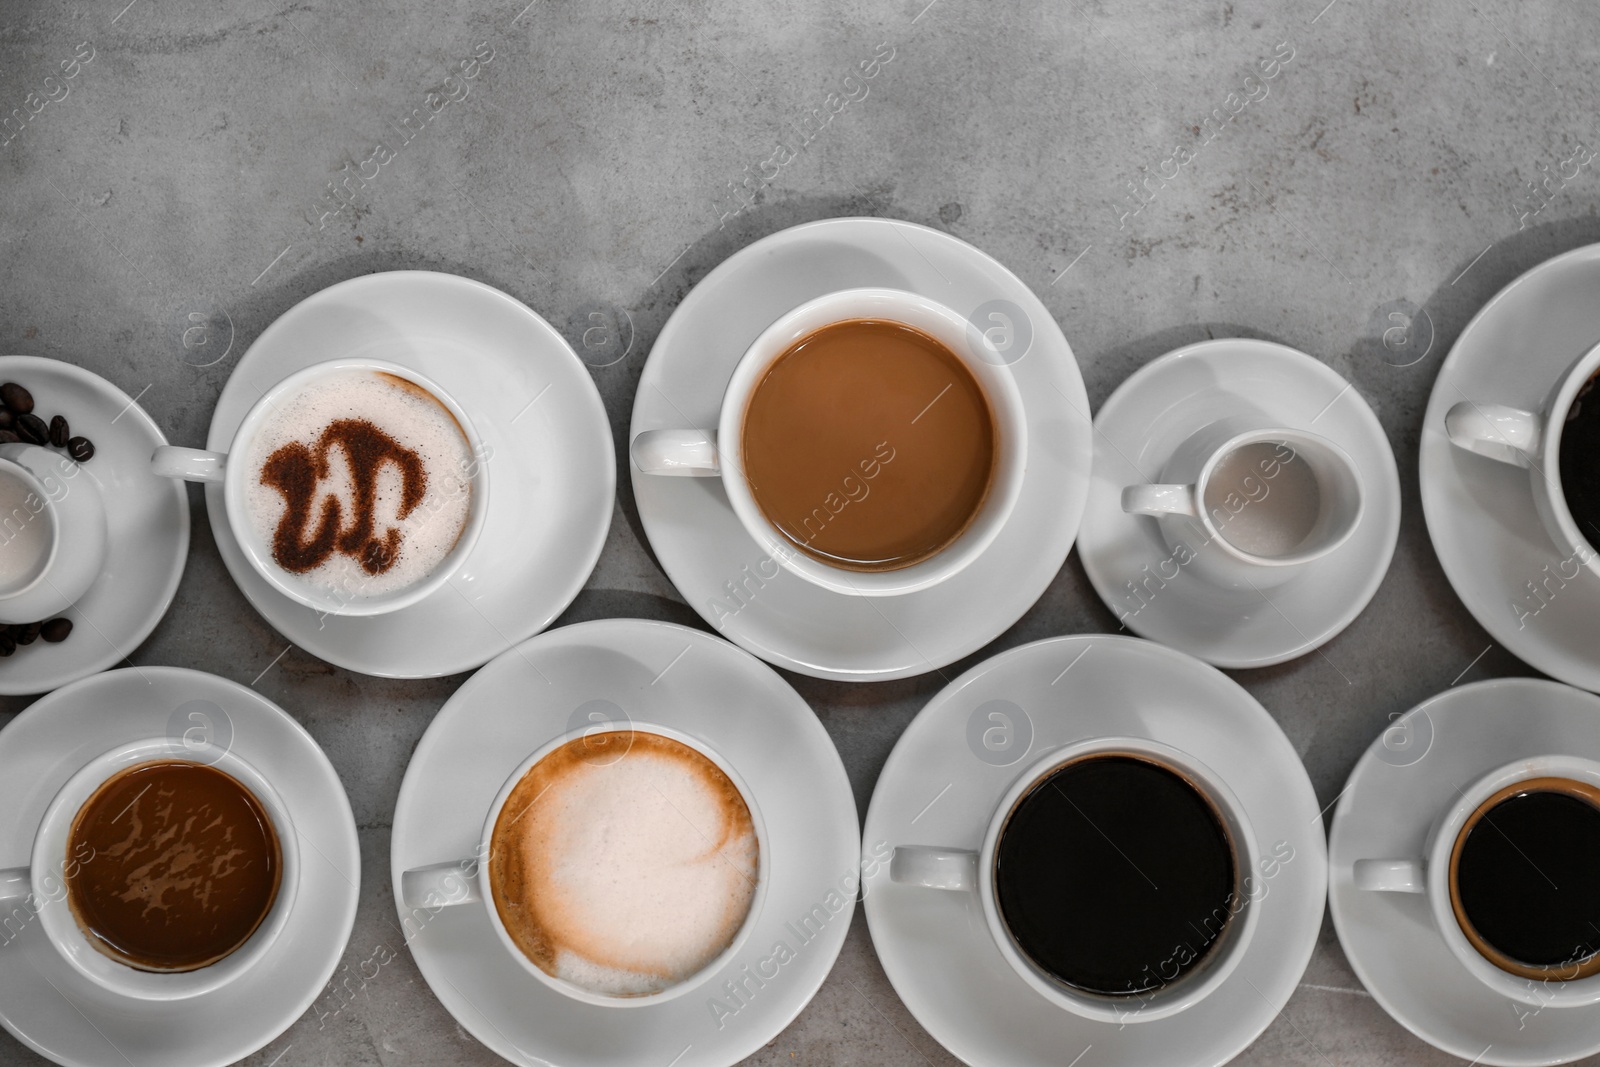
(1433, 445)
(1470, 691)
(243, 574)
(199, 682)
(614, 637)
(1393, 495)
(103, 388)
(1314, 890)
(810, 661)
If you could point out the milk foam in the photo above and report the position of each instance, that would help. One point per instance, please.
(24, 533)
(416, 421)
(624, 876)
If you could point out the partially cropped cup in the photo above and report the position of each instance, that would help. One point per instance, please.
(160, 871)
(620, 867)
(354, 486)
(1249, 505)
(1557, 444)
(937, 455)
(52, 533)
(1115, 877)
(1511, 880)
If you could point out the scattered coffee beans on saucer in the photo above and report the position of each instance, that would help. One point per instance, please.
(15, 634)
(19, 423)
(16, 398)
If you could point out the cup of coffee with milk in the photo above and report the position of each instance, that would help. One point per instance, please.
(53, 532)
(1245, 504)
(354, 486)
(620, 867)
(863, 442)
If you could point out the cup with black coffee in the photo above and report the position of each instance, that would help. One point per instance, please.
(863, 441)
(161, 873)
(1559, 446)
(1116, 877)
(354, 486)
(619, 867)
(1511, 872)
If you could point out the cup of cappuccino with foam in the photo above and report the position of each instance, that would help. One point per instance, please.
(354, 486)
(620, 866)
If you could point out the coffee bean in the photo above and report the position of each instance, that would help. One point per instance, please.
(6, 418)
(33, 429)
(8, 644)
(56, 630)
(59, 434)
(18, 399)
(9, 437)
(81, 449)
(27, 634)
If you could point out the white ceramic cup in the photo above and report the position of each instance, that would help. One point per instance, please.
(1532, 440)
(197, 465)
(41, 885)
(703, 453)
(1429, 874)
(963, 870)
(1198, 534)
(466, 881)
(53, 540)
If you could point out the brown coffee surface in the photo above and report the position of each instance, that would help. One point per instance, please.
(173, 865)
(623, 862)
(869, 444)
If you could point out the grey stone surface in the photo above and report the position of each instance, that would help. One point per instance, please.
(588, 165)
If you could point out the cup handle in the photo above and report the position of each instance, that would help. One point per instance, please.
(1391, 876)
(934, 867)
(440, 885)
(678, 453)
(1160, 500)
(1507, 434)
(15, 885)
(190, 464)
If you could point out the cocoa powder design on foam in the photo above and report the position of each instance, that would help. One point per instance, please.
(295, 471)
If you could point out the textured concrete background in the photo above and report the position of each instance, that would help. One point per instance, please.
(182, 178)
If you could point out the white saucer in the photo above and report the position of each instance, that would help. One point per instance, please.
(147, 521)
(786, 620)
(44, 1001)
(936, 790)
(552, 472)
(649, 672)
(1385, 811)
(1480, 513)
(1137, 430)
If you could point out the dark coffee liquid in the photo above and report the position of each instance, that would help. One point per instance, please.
(172, 865)
(1580, 461)
(869, 444)
(1115, 875)
(1526, 878)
